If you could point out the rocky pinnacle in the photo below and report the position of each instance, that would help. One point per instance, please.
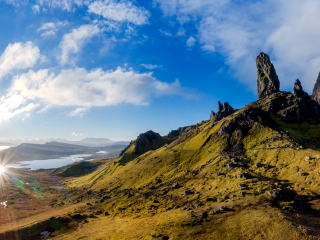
(297, 89)
(316, 90)
(268, 82)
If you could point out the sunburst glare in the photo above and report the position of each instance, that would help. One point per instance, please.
(2, 169)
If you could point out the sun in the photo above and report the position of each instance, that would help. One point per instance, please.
(2, 169)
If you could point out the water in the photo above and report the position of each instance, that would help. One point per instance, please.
(102, 152)
(49, 163)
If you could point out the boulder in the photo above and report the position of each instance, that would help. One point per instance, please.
(176, 185)
(316, 90)
(297, 89)
(268, 81)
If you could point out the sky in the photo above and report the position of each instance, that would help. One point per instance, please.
(114, 69)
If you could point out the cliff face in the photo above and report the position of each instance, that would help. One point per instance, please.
(268, 82)
(316, 90)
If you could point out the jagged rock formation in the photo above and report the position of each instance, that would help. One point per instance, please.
(298, 90)
(268, 82)
(316, 90)
(145, 142)
(224, 110)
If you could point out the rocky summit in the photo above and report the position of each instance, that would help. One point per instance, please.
(224, 110)
(267, 81)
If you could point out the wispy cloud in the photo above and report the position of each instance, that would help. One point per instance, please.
(123, 11)
(51, 28)
(73, 42)
(36, 9)
(151, 66)
(18, 56)
(76, 134)
(79, 112)
(191, 42)
(168, 34)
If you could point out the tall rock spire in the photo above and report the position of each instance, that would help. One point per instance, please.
(268, 82)
(298, 90)
(316, 90)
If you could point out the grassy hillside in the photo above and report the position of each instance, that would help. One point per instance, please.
(252, 175)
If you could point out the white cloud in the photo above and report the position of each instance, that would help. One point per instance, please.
(51, 28)
(36, 9)
(73, 42)
(181, 32)
(67, 5)
(239, 30)
(76, 134)
(123, 11)
(191, 42)
(18, 56)
(79, 112)
(168, 34)
(150, 66)
(83, 89)
(16, 2)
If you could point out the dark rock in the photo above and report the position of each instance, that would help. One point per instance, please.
(91, 216)
(258, 165)
(223, 111)
(176, 185)
(204, 215)
(187, 192)
(212, 115)
(216, 212)
(152, 187)
(106, 214)
(268, 82)
(244, 175)
(266, 166)
(151, 207)
(77, 216)
(210, 199)
(273, 193)
(230, 165)
(297, 89)
(316, 90)
(242, 185)
(223, 208)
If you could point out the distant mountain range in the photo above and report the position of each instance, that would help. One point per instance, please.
(52, 150)
(87, 142)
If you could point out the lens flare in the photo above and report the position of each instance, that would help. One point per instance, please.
(2, 169)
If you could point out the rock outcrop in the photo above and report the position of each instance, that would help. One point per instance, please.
(297, 89)
(268, 82)
(316, 90)
(224, 110)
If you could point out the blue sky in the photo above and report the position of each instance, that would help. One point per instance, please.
(108, 68)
